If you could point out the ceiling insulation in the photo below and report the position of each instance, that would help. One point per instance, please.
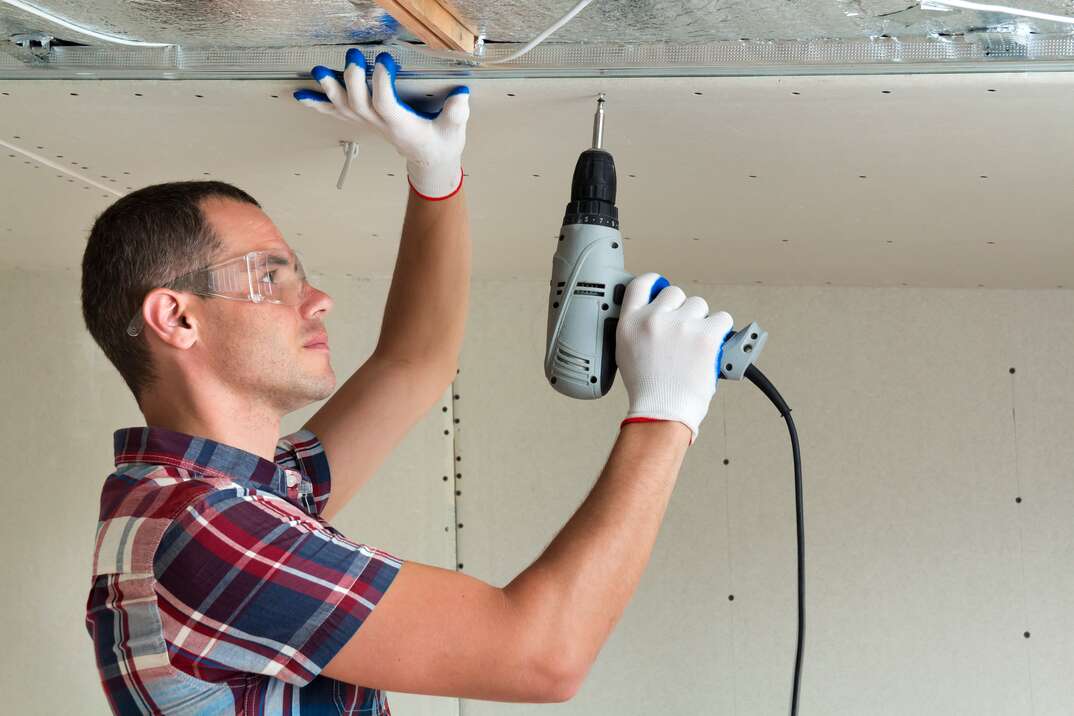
(742, 35)
(285, 23)
(209, 23)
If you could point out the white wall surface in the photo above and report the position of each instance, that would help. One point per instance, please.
(924, 573)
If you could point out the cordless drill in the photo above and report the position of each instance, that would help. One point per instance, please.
(589, 281)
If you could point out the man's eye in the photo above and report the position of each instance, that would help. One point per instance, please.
(269, 277)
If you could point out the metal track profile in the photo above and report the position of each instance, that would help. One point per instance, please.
(987, 53)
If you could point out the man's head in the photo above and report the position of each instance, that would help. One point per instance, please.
(234, 348)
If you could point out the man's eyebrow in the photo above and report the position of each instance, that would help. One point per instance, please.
(279, 260)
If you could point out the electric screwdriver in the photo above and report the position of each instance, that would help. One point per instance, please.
(584, 298)
(589, 281)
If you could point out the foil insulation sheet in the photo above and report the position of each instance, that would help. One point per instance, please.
(295, 23)
(700, 21)
(208, 23)
(260, 39)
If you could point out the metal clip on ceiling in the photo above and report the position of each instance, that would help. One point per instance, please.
(350, 152)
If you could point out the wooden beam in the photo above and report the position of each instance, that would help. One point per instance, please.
(436, 22)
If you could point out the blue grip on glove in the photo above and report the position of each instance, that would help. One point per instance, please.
(660, 284)
(663, 283)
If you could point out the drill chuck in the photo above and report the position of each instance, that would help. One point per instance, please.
(593, 191)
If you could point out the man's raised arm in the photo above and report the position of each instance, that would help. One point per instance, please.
(416, 357)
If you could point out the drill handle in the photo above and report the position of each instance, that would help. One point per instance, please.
(739, 350)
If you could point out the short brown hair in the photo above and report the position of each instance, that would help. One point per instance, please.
(142, 241)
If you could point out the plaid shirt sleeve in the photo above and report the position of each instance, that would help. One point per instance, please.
(247, 582)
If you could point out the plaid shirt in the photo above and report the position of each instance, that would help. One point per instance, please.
(217, 588)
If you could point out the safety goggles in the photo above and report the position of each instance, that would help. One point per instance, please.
(260, 277)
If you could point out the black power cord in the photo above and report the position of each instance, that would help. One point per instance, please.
(758, 378)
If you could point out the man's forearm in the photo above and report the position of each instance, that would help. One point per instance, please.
(575, 593)
(425, 314)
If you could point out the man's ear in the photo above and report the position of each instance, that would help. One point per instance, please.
(168, 314)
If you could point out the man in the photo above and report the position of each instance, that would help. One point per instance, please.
(219, 585)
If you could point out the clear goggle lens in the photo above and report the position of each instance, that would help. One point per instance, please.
(259, 277)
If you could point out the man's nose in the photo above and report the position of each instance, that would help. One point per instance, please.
(317, 303)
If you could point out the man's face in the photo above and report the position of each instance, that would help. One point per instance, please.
(264, 350)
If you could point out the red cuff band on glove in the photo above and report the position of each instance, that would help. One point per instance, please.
(642, 420)
(437, 198)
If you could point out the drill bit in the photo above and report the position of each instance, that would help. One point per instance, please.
(598, 123)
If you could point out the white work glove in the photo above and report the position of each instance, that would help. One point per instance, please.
(432, 144)
(667, 352)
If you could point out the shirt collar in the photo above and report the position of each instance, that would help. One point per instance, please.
(160, 446)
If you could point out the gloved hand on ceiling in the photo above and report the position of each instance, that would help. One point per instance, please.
(668, 350)
(432, 144)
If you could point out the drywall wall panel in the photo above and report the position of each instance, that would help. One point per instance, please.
(1040, 345)
(913, 575)
(62, 402)
(918, 588)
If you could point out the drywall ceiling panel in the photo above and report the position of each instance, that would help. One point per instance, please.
(922, 180)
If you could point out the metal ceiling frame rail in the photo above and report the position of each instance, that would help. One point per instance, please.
(981, 52)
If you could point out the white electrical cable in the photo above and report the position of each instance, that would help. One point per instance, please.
(477, 60)
(948, 4)
(26, 7)
(59, 167)
(544, 35)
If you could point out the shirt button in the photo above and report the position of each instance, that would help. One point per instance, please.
(293, 478)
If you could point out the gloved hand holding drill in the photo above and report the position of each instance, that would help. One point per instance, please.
(667, 353)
